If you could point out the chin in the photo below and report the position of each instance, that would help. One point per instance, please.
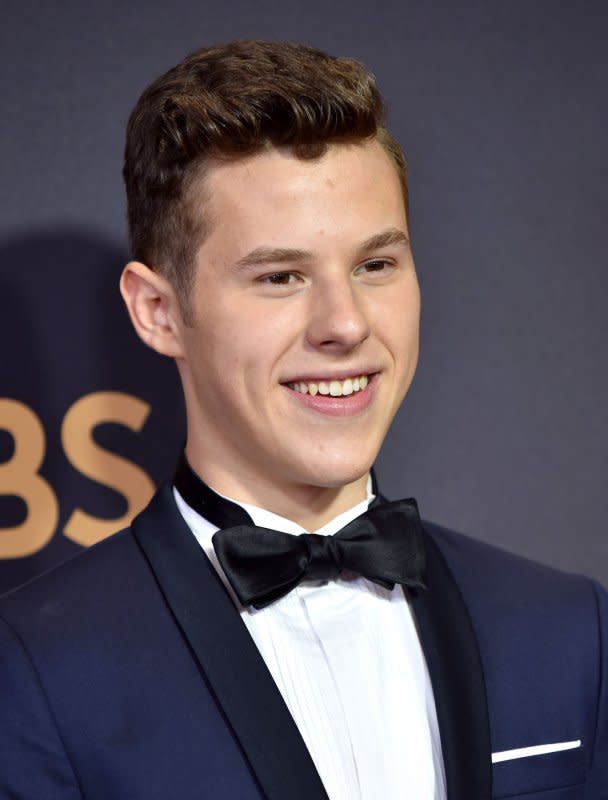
(338, 471)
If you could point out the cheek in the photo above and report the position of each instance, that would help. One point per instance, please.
(266, 334)
(399, 321)
(411, 310)
(241, 351)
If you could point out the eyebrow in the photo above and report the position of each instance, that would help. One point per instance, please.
(387, 238)
(287, 255)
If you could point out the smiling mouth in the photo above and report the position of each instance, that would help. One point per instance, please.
(331, 388)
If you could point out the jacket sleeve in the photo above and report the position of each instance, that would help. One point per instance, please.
(597, 784)
(33, 760)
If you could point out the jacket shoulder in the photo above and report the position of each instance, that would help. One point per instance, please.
(108, 572)
(507, 579)
(112, 547)
(100, 577)
(518, 605)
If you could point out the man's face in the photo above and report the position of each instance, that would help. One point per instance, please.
(305, 283)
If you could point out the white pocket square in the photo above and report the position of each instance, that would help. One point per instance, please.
(537, 750)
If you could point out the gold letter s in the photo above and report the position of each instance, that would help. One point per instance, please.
(102, 466)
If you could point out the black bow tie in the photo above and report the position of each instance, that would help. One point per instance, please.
(384, 544)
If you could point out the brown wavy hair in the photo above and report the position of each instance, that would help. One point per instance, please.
(229, 101)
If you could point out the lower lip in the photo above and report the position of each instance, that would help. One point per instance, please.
(347, 406)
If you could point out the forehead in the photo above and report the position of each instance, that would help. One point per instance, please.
(274, 198)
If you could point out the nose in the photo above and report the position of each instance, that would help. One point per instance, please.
(337, 320)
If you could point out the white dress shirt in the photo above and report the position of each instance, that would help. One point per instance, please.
(346, 657)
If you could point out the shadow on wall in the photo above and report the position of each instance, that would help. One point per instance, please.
(90, 418)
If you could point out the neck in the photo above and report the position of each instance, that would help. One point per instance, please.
(311, 507)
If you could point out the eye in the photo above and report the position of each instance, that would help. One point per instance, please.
(376, 265)
(280, 278)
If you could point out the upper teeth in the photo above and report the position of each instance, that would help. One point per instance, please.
(333, 388)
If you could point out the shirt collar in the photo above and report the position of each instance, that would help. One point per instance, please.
(268, 519)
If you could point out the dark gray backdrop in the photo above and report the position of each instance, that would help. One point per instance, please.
(502, 110)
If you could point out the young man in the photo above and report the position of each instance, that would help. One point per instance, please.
(211, 651)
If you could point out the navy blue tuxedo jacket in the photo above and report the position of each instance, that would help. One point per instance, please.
(127, 674)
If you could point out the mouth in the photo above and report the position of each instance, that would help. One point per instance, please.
(337, 396)
(332, 387)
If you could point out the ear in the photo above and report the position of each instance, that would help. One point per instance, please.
(153, 308)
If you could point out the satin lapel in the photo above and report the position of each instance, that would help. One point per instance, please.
(231, 663)
(452, 655)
